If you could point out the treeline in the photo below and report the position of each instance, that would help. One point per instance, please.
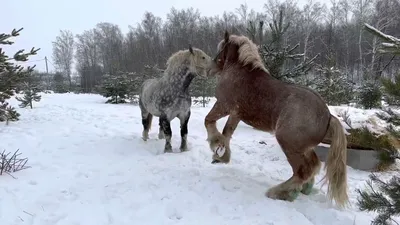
(335, 35)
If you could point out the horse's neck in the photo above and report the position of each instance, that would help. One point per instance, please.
(187, 81)
(180, 81)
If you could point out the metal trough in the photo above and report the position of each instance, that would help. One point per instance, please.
(366, 160)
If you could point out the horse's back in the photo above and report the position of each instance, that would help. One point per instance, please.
(303, 114)
(280, 96)
(269, 104)
(159, 97)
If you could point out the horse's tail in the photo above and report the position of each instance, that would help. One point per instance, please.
(336, 163)
(149, 121)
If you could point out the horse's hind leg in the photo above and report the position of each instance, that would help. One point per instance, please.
(146, 122)
(305, 164)
(313, 158)
(184, 119)
(160, 131)
(166, 127)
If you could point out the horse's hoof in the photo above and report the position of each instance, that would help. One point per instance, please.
(168, 149)
(215, 161)
(292, 195)
(216, 142)
(219, 161)
(307, 187)
(220, 151)
(284, 195)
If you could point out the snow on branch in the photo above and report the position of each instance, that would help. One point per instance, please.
(391, 44)
(10, 163)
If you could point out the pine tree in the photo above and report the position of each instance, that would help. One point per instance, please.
(31, 91)
(275, 54)
(393, 119)
(115, 86)
(392, 90)
(133, 86)
(370, 95)
(391, 45)
(59, 85)
(30, 95)
(202, 89)
(386, 200)
(11, 75)
(333, 86)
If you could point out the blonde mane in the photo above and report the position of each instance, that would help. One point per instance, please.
(248, 51)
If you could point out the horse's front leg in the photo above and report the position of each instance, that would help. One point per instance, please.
(215, 139)
(184, 131)
(166, 127)
(224, 154)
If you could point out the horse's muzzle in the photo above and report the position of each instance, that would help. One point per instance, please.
(212, 71)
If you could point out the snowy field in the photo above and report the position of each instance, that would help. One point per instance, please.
(89, 166)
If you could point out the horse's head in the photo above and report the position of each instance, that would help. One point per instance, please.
(199, 61)
(234, 49)
(193, 60)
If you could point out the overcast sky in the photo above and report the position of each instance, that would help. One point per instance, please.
(43, 19)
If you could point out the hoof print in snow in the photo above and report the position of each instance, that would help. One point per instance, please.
(175, 217)
(274, 159)
(174, 214)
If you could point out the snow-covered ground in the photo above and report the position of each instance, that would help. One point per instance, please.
(89, 166)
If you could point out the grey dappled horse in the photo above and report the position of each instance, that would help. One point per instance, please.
(168, 97)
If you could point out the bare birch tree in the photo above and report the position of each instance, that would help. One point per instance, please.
(63, 53)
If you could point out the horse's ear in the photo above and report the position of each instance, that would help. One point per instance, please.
(226, 36)
(191, 49)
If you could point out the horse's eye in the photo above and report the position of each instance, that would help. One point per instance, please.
(204, 57)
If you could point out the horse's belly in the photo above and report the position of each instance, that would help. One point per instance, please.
(259, 124)
(175, 108)
(152, 108)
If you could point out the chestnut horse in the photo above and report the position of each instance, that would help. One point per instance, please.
(297, 115)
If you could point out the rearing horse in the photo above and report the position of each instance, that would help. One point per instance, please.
(297, 115)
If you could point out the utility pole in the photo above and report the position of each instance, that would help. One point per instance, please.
(47, 68)
(47, 73)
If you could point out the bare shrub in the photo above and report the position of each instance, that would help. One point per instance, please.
(11, 162)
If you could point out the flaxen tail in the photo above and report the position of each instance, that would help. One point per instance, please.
(336, 167)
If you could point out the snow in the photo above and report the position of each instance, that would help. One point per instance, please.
(360, 117)
(383, 35)
(90, 166)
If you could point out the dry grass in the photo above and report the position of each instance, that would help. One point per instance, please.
(10, 162)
